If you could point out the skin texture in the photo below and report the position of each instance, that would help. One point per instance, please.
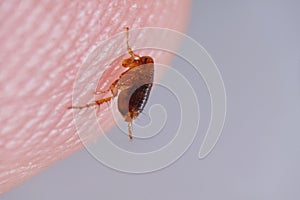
(43, 44)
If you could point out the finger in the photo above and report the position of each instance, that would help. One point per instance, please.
(42, 46)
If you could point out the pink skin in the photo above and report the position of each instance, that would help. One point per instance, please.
(42, 47)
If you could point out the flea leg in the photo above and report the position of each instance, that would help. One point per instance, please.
(129, 130)
(112, 88)
(95, 103)
(129, 50)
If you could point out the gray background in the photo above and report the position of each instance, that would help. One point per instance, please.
(256, 46)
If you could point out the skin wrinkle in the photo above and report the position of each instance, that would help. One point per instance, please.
(23, 57)
(9, 22)
(52, 34)
(37, 80)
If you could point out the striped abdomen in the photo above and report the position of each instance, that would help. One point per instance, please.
(131, 102)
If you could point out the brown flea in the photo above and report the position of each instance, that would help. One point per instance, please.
(134, 84)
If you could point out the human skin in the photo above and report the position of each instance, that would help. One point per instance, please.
(42, 46)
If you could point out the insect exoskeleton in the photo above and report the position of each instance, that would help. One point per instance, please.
(133, 85)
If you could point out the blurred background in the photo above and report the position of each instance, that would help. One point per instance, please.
(255, 45)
